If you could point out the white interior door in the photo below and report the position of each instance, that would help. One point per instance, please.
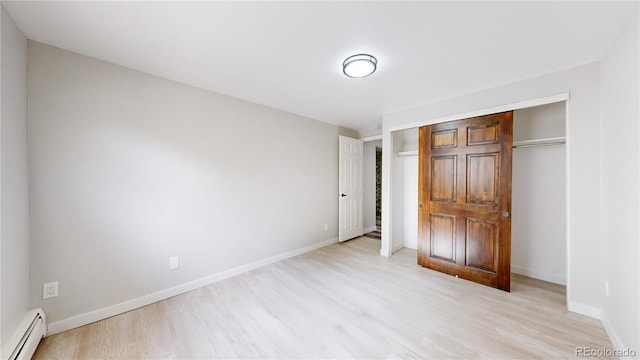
(351, 194)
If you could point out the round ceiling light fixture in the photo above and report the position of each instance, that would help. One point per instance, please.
(359, 66)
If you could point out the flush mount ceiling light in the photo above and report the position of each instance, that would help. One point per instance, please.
(358, 66)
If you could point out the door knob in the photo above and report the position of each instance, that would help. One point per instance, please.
(505, 214)
(343, 195)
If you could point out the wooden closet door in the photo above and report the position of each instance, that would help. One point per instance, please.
(465, 198)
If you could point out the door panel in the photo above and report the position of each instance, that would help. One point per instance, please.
(443, 234)
(442, 139)
(443, 178)
(465, 188)
(485, 134)
(482, 244)
(482, 179)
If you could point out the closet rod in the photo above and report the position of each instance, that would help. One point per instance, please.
(539, 142)
(516, 144)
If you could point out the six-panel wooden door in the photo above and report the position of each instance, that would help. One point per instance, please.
(464, 222)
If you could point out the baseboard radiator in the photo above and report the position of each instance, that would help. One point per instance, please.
(25, 339)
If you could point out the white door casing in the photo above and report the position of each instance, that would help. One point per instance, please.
(350, 188)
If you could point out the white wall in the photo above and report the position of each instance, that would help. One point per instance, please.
(538, 220)
(410, 201)
(129, 169)
(583, 163)
(15, 180)
(369, 184)
(410, 188)
(620, 238)
(539, 122)
(398, 191)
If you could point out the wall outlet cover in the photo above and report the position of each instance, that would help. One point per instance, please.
(49, 290)
(174, 262)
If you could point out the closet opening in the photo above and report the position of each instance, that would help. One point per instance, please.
(372, 188)
(539, 194)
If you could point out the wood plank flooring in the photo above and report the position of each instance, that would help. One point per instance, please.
(341, 301)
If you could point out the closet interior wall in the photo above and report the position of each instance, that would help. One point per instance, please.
(405, 187)
(538, 223)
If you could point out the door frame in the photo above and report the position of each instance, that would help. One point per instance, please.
(386, 246)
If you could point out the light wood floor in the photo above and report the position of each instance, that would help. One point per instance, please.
(342, 301)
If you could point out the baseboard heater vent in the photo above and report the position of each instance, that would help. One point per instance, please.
(25, 339)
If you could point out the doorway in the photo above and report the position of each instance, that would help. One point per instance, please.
(372, 174)
(378, 188)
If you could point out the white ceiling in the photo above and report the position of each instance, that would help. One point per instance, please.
(288, 55)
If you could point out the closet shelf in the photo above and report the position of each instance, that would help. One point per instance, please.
(408, 153)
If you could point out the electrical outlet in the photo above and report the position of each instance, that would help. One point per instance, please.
(326, 227)
(174, 262)
(49, 290)
(606, 288)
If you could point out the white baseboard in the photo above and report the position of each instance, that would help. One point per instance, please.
(615, 339)
(370, 229)
(109, 311)
(397, 247)
(613, 335)
(608, 327)
(583, 309)
(538, 275)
